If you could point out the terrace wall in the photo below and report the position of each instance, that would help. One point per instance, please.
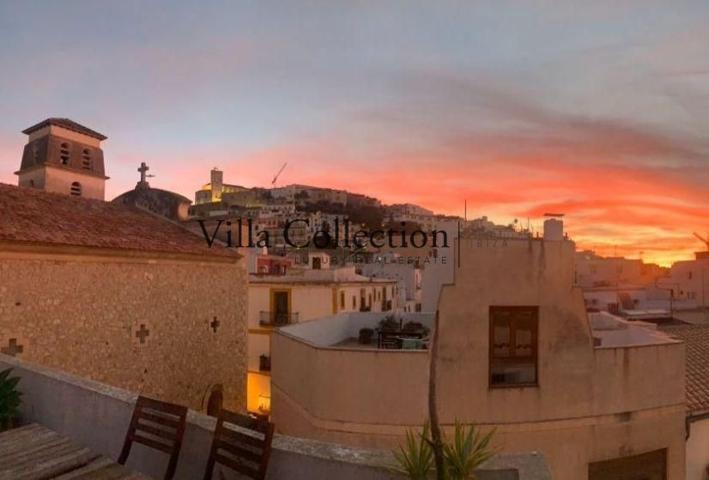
(97, 415)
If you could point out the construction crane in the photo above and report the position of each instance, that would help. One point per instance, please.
(705, 241)
(273, 182)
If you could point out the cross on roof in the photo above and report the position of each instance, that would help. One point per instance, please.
(142, 333)
(215, 324)
(143, 172)
(12, 348)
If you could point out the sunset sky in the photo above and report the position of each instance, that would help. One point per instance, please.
(599, 110)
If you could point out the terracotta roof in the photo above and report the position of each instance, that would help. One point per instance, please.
(65, 123)
(32, 216)
(696, 338)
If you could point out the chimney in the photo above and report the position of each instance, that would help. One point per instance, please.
(554, 227)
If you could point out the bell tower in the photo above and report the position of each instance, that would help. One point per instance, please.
(63, 156)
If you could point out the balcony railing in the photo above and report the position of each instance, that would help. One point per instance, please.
(277, 319)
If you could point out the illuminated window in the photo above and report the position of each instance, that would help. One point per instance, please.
(75, 189)
(513, 346)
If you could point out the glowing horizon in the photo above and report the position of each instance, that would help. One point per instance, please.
(595, 111)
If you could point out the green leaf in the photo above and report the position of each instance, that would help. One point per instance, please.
(415, 457)
(10, 398)
(467, 451)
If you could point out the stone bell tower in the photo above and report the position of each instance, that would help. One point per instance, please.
(63, 156)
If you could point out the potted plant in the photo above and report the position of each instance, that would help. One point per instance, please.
(365, 336)
(9, 399)
(389, 324)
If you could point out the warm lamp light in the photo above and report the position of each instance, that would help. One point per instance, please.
(264, 403)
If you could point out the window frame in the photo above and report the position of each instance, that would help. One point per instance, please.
(535, 345)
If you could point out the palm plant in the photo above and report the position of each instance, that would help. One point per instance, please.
(462, 455)
(468, 450)
(9, 399)
(415, 457)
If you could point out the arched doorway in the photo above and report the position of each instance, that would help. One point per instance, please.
(215, 401)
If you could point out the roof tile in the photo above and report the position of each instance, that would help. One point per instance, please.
(696, 338)
(34, 216)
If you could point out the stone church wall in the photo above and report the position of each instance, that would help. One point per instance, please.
(167, 328)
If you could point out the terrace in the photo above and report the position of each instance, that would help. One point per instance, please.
(350, 331)
(610, 331)
(93, 414)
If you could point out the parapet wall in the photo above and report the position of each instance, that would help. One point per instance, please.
(97, 415)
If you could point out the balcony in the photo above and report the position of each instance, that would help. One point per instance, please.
(277, 319)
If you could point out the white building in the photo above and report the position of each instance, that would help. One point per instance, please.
(299, 296)
(690, 280)
(593, 270)
(407, 275)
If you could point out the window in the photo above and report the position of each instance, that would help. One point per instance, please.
(342, 300)
(75, 189)
(64, 153)
(513, 346)
(86, 159)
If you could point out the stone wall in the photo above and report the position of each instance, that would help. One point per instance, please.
(170, 328)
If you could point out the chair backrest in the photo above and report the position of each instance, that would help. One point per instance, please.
(158, 425)
(245, 449)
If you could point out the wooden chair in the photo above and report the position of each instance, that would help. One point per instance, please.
(158, 425)
(245, 451)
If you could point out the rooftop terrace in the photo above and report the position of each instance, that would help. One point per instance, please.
(610, 331)
(341, 331)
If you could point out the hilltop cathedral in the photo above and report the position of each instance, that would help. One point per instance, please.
(115, 291)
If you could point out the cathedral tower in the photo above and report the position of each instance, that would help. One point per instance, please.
(63, 156)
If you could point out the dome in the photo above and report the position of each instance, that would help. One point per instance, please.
(167, 204)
